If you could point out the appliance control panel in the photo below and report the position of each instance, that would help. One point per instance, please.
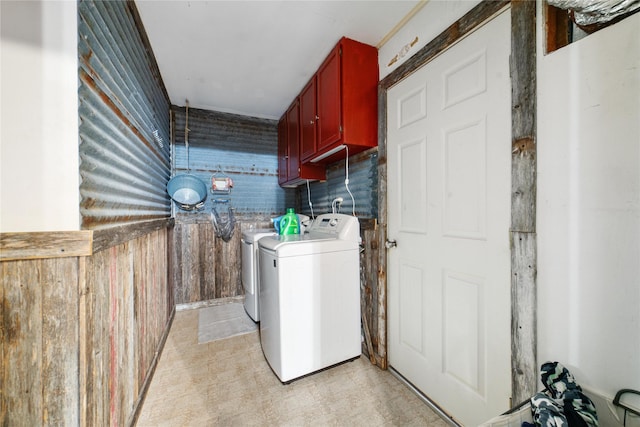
(344, 227)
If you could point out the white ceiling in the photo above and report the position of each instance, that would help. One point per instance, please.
(253, 57)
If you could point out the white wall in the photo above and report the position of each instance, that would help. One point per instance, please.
(39, 180)
(589, 207)
(435, 17)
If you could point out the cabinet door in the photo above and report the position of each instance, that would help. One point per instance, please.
(308, 120)
(293, 137)
(329, 100)
(283, 151)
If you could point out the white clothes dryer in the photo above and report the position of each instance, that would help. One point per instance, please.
(250, 278)
(310, 297)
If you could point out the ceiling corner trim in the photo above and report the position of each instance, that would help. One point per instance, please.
(401, 23)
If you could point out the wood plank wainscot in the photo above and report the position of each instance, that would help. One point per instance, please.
(203, 267)
(84, 318)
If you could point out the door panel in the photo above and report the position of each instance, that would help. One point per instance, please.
(411, 294)
(449, 171)
(465, 79)
(463, 330)
(412, 191)
(464, 180)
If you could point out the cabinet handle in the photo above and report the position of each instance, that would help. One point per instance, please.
(310, 122)
(317, 118)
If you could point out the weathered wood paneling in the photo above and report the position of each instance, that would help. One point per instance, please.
(106, 238)
(94, 349)
(4, 337)
(39, 382)
(59, 244)
(128, 306)
(81, 335)
(523, 116)
(65, 244)
(228, 266)
(381, 301)
(382, 297)
(524, 365)
(523, 328)
(59, 356)
(22, 343)
(369, 291)
(203, 266)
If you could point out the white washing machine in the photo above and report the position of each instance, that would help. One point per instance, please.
(250, 278)
(310, 297)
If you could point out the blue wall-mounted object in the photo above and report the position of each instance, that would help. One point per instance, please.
(187, 190)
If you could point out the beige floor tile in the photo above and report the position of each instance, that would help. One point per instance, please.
(229, 383)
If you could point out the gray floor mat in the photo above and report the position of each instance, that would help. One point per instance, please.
(223, 321)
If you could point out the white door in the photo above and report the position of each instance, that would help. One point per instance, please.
(449, 174)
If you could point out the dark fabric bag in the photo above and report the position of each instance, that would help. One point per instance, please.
(562, 404)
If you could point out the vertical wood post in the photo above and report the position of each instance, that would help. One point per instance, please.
(523, 201)
(382, 226)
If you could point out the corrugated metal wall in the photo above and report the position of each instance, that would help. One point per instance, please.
(124, 119)
(363, 183)
(243, 148)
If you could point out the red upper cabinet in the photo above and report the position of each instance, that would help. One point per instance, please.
(291, 172)
(293, 138)
(308, 116)
(346, 101)
(330, 102)
(338, 107)
(283, 151)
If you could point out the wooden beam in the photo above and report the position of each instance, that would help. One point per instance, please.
(113, 236)
(524, 367)
(37, 245)
(61, 244)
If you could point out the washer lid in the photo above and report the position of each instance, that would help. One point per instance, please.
(305, 244)
(273, 242)
(253, 235)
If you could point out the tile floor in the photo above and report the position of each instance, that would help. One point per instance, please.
(229, 383)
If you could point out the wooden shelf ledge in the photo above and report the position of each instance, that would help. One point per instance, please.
(62, 244)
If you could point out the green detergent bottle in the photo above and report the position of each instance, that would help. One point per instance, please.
(289, 223)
